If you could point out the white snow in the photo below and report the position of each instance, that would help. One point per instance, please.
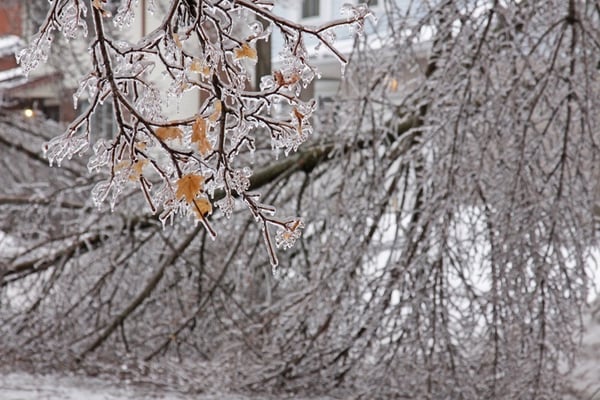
(9, 44)
(21, 386)
(10, 73)
(585, 377)
(8, 245)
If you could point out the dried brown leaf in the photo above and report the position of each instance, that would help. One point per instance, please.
(245, 52)
(299, 116)
(97, 4)
(279, 78)
(141, 145)
(189, 186)
(169, 133)
(217, 113)
(282, 81)
(200, 67)
(136, 169)
(199, 136)
(177, 40)
(202, 207)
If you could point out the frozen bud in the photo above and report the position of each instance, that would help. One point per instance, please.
(287, 236)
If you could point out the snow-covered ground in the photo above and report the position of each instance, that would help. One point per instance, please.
(20, 386)
(584, 379)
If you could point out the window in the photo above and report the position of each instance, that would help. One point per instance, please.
(51, 112)
(102, 119)
(310, 8)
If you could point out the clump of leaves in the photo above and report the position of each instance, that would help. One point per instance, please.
(205, 47)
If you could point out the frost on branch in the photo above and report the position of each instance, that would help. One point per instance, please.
(183, 166)
(453, 208)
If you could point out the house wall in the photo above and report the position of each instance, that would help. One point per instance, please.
(7, 62)
(10, 17)
(144, 23)
(329, 67)
(10, 24)
(42, 90)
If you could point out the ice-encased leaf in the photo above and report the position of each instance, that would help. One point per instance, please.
(100, 192)
(125, 15)
(287, 236)
(71, 19)
(64, 146)
(101, 156)
(91, 84)
(37, 52)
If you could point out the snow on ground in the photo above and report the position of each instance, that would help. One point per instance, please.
(585, 380)
(20, 386)
(585, 377)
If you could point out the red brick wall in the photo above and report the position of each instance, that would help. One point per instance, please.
(7, 62)
(10, 17)
(67, 112)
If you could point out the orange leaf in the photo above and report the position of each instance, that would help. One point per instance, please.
(121, 165)
(189, 186)
(295, 224)
(295, 77)
(200, 67)
(97, 4)
(141, 145)
(245, 52)
(136, 169)
(217, 113)
(169, 132)
(279, 78)
(299, 116)
(282, 81)
(202, 207)
(199, 136)
(177, 40)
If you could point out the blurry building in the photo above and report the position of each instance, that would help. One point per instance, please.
(318, 12)
(44, 91)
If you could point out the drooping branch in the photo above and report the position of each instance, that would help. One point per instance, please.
(146, 291)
